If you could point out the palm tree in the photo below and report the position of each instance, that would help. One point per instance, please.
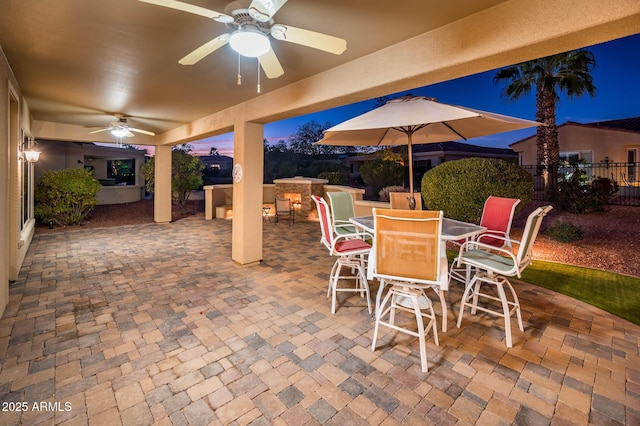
(569, 73)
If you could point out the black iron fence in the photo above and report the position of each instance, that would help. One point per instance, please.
(626, 176)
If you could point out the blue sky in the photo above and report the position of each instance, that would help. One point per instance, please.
(616, 78)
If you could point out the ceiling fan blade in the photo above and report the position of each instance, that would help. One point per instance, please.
(205, 50)
(308, 38)
(263, 10)
(129, 134)
(99, 130)
(144, 132)
(190, 8)
(270, 64)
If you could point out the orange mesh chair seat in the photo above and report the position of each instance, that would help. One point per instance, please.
(407, 256)
(492, 266)
(400, 200)
(350, 250)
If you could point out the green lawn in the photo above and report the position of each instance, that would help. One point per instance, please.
(618, 294)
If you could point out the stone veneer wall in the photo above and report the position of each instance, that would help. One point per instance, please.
(306, 187)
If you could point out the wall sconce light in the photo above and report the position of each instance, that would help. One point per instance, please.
(31, 154)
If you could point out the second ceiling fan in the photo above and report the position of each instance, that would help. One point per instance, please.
(121, 128)
(251, 37)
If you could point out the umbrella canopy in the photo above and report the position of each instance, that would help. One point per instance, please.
(416, 120)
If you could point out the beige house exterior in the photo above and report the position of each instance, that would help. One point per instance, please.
(610, 148)
(613, 141)
(57, 155)
(501, 34)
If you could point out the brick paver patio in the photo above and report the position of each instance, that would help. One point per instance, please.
(155, 324)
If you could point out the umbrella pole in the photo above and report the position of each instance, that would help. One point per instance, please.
(412, 201)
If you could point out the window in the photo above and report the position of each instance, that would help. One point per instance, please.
(123, 171)
(577, 159)
(632, 158)
(571, 157)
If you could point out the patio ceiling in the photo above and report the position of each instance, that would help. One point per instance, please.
(79, 62)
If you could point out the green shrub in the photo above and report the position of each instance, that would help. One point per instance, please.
(461, 187)
(379, 173)
(186, 175)
(564, 232)
(334, 178)
(577, 195)
(66, 197)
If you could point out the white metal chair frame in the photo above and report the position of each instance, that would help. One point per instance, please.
(492, 267)
(407, 293)
(350, 250)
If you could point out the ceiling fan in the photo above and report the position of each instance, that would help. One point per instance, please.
(121, 129)
(251, 30)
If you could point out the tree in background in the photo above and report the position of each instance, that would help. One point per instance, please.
(568, 73)
(301, 157)
(279, 161)
(303, 141)
(307, 134)
(381, 100)
(133, 147)
(186, 174)
(382, 172)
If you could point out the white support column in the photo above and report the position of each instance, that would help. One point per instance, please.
(248, 153)
(162, 187)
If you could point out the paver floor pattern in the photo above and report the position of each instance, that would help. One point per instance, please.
(155, 324)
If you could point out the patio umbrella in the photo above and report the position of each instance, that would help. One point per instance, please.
(412, 120)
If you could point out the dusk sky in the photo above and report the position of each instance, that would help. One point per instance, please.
(616, 77)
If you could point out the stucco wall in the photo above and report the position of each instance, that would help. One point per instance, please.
(14, 115)
(578, 138)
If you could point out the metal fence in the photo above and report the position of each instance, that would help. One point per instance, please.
(625, 175)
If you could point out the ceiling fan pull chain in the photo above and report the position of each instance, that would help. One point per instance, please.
(239, 76)
(258, 62)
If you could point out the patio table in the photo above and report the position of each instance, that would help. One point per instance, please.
(452, 230)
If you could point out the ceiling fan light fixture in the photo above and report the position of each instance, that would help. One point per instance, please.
(250, 42)
(119, 132)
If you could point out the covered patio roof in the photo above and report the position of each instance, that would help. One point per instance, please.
(121, 57)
